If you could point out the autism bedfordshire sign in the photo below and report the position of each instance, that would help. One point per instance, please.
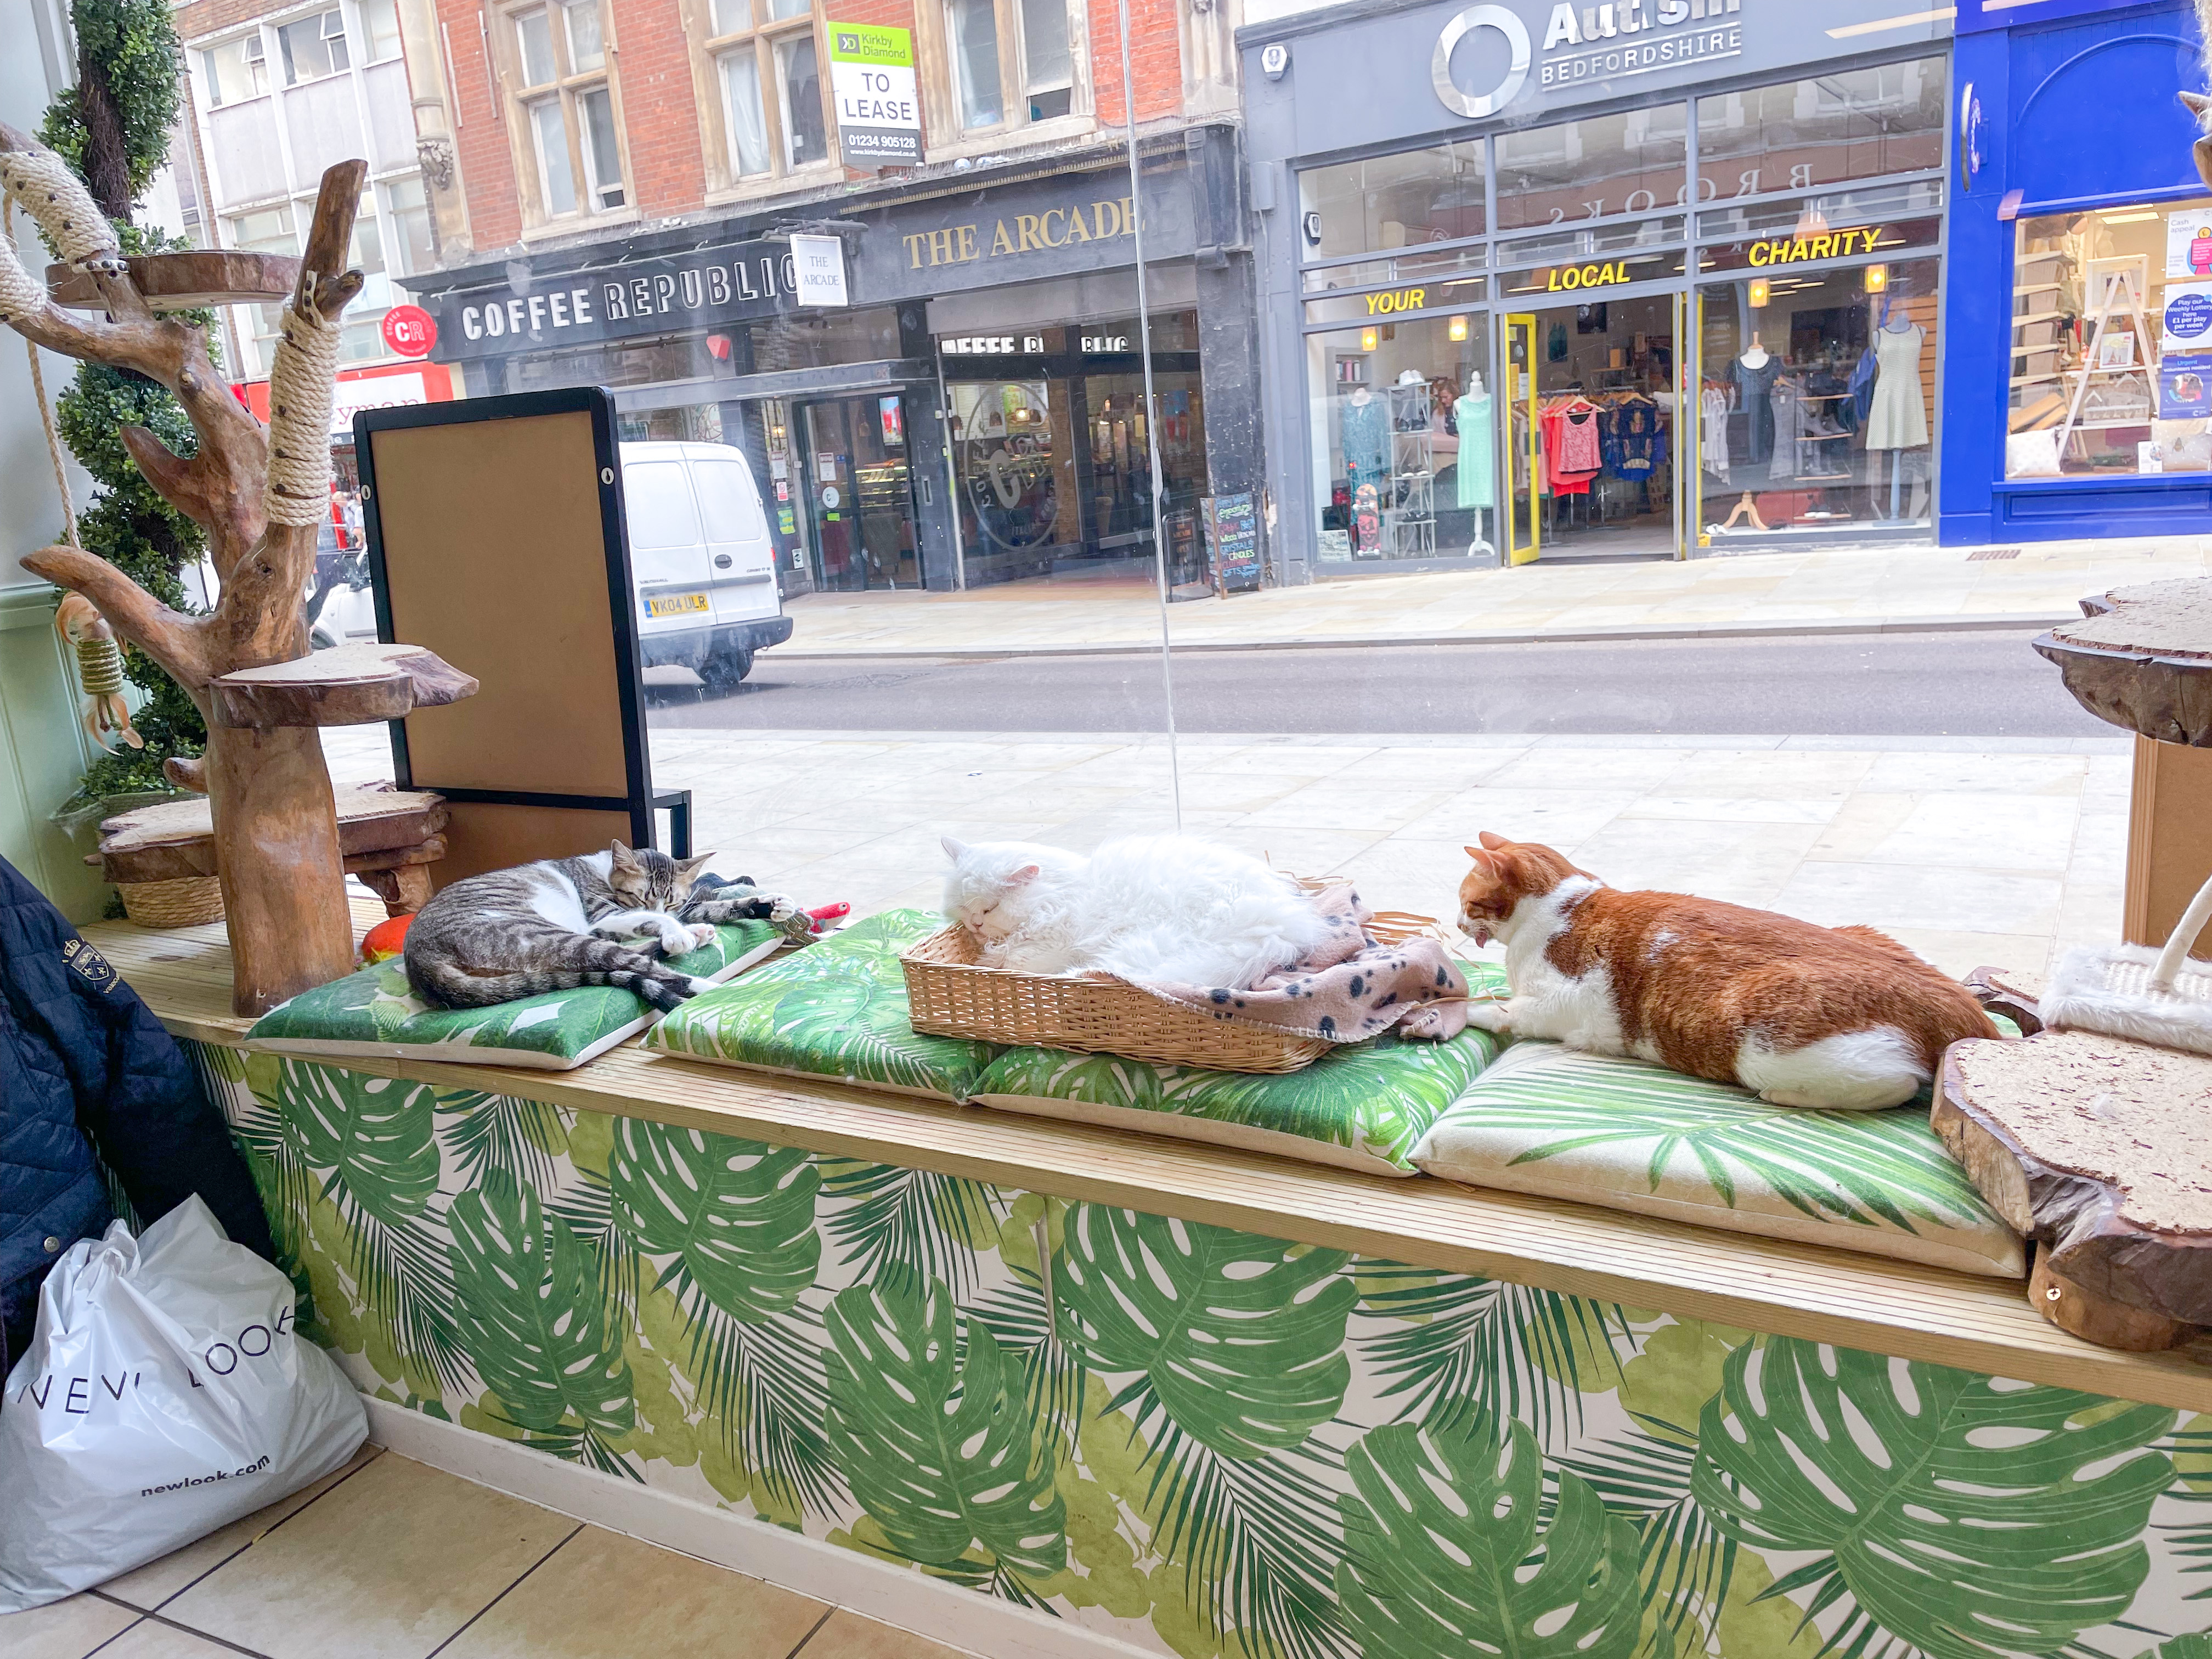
(878, 110)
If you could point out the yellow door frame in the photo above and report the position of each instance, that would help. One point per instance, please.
(1520, 390)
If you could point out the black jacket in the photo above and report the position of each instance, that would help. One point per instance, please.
(80, 1053)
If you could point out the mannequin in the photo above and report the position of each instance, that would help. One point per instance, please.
(1756, 372)
(1478, 445)
(1899, 419)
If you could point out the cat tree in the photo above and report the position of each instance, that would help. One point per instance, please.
(259, 497)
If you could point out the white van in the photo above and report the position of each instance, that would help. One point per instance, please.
(701, 560)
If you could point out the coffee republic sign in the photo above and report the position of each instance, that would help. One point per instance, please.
(1585, 43)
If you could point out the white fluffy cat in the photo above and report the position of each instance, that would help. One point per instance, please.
(1165, 909)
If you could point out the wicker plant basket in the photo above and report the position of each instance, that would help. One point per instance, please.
(187, 901)
(949, 996)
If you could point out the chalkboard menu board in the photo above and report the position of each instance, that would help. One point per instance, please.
(1232, 539)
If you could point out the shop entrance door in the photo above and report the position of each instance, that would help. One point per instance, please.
(1593, 442)
(858, 485)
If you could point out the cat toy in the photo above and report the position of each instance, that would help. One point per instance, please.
(2128, 991)
(98, 672)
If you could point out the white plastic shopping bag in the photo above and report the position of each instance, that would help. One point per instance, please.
(164, 1394)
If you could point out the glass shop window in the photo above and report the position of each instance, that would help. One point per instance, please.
(1858, 123)
(2112, 343)
(1433, 195)
(1595, 168)
(1404, 439)
(1816, 404)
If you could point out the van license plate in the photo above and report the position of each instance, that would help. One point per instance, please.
(676, 605)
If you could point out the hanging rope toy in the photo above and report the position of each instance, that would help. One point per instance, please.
(99, 671)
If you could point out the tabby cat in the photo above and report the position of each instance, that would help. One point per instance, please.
(558, 924)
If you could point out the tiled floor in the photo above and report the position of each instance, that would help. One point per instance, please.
(1847, 587)
(1973, 851)
(391, 1559)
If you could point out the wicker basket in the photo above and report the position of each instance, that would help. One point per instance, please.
(949, 996)
(187, 901)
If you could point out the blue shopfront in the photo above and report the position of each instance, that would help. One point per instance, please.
(2078, 349)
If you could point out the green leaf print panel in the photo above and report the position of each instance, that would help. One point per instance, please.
(838, 1009)
(373, 1132)
(1362, 1107)
(1969, 1517)
(534, 1316)
(1445, 1552)
(1240, 1338)
(941, 1450)
(737, 1215)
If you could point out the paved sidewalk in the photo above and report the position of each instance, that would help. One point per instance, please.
(1861, 590)
(1971, 850)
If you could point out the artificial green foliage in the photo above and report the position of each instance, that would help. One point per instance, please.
(1195, 1440)
(1438, 1531)
(115, 122)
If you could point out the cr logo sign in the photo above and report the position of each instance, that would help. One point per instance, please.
(1455, 98)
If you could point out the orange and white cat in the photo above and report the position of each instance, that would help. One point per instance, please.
(1842, 1018)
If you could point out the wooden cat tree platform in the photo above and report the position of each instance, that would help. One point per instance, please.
(272, 825)
(2097, 1147)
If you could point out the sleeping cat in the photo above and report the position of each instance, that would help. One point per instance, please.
(554, 925)
(1165, 909)
(1843, 1018)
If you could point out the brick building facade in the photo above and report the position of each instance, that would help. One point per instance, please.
(624, 176)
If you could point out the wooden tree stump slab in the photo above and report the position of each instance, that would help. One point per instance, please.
(191, 281)
(347, 685)
(2095, 1147)
(2141, 657)
(176, 838)
(2008, 992)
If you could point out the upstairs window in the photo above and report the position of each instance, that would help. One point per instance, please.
(312, 46)
(1011, 62)
(568, 108)
(767, 61)
(236, 70)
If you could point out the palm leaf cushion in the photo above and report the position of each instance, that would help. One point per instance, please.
(376, 1012)
(836, 1008)
(1631, 1136)
(1360, 1107)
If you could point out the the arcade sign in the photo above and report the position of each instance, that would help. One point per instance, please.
(653, 296)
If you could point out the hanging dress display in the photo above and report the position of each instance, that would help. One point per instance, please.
(1899, 419)
(1364, 431)
(1478, 451)
(1713, 413)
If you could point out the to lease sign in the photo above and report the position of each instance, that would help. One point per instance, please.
(878, 110)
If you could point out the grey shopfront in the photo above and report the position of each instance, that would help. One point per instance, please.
(1654, 278)
(970, 418)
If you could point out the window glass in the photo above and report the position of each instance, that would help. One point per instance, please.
(658, 504)
(732, 15)
(748, 121)
(534, 33)
(1817, 405)
(1390, 201)
(2112, 338)
(778, 9)
(1405, 446)
(554, 175)
(236, 70)
(805, 139)
(1858, 123)
(1050, 70)
(1594, 167)
(727, 501)
(409, 204)
(312, 46)
(586, 51)
(1835, 209)
(975, 28)
(602, 151)
(379, 24)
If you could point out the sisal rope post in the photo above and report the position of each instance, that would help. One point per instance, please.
(11, 290)
(57, 200)
(302, 391)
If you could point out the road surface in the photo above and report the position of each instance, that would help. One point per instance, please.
(1977, 684)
